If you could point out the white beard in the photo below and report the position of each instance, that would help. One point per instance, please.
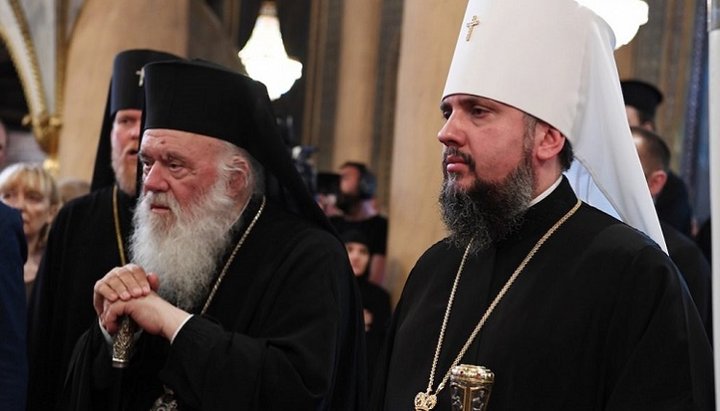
(183, 247)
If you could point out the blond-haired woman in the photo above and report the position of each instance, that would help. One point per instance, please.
(32, 190)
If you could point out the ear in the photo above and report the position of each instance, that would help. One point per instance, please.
(648, 125)
(549, 141)
(240, 180)
(656, 181)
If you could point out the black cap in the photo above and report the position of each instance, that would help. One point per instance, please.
(355, 236)
(204, 98)
(643, 96)
(126, 92)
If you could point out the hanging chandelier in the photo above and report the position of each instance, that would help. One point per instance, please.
(264, 55)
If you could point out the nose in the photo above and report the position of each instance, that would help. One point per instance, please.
(352, 255)
(154, 180)
(135, 132)
(451, 134)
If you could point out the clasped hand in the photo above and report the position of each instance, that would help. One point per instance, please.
(129, 290)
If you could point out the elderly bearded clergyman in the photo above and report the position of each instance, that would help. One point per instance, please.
(244, 296)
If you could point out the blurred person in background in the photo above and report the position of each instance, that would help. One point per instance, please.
(32, 190)
(655, 160)
(375, 300)
(357, 202)
(72, 188)
(672, 203)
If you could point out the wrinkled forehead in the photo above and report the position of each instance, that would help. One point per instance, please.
(178, 140)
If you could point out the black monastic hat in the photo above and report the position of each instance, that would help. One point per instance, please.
(643, 96)
(126, 92)
(204, 98)
(355, 236)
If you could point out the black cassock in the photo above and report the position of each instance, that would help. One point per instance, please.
(377, 302)
(82, 248)
(283, 331)
(694, 268)
(598, 320)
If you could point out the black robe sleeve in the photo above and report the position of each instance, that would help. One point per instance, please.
(657, 349)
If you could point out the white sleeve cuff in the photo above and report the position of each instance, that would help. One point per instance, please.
(180, 328)
(108, 337)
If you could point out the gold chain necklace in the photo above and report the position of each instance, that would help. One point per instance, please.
(118, 233)
(167, 400)
(427, 400)
(232, 257)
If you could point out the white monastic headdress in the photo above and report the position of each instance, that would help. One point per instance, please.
(554, 59)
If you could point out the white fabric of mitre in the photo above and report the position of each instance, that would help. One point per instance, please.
(554, 60)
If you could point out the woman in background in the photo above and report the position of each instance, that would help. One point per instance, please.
(32, 190)
(375, 300)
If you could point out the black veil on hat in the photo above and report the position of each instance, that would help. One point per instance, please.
(643, 96)
(204, 98)
(126, 92)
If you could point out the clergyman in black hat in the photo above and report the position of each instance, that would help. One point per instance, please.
(244, 295)
(641, 102)
(89, 235)
(673, 203)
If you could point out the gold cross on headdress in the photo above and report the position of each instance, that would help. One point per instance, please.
(141, 74)
(471, 25)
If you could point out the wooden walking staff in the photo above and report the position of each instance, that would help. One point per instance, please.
(123, 340)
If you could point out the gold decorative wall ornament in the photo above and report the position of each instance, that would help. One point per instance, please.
(46, 129)
(16, 34)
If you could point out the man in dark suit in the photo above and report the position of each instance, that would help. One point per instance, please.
(655, 158)
(13, 327)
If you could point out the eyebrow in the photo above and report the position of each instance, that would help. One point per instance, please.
(169, 156)
(469, 99)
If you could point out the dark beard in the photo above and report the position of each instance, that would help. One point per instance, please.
(487, 212)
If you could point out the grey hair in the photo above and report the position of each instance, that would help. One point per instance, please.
(256, 177)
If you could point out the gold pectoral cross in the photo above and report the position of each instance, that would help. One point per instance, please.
(471, 26)
(424, 401)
